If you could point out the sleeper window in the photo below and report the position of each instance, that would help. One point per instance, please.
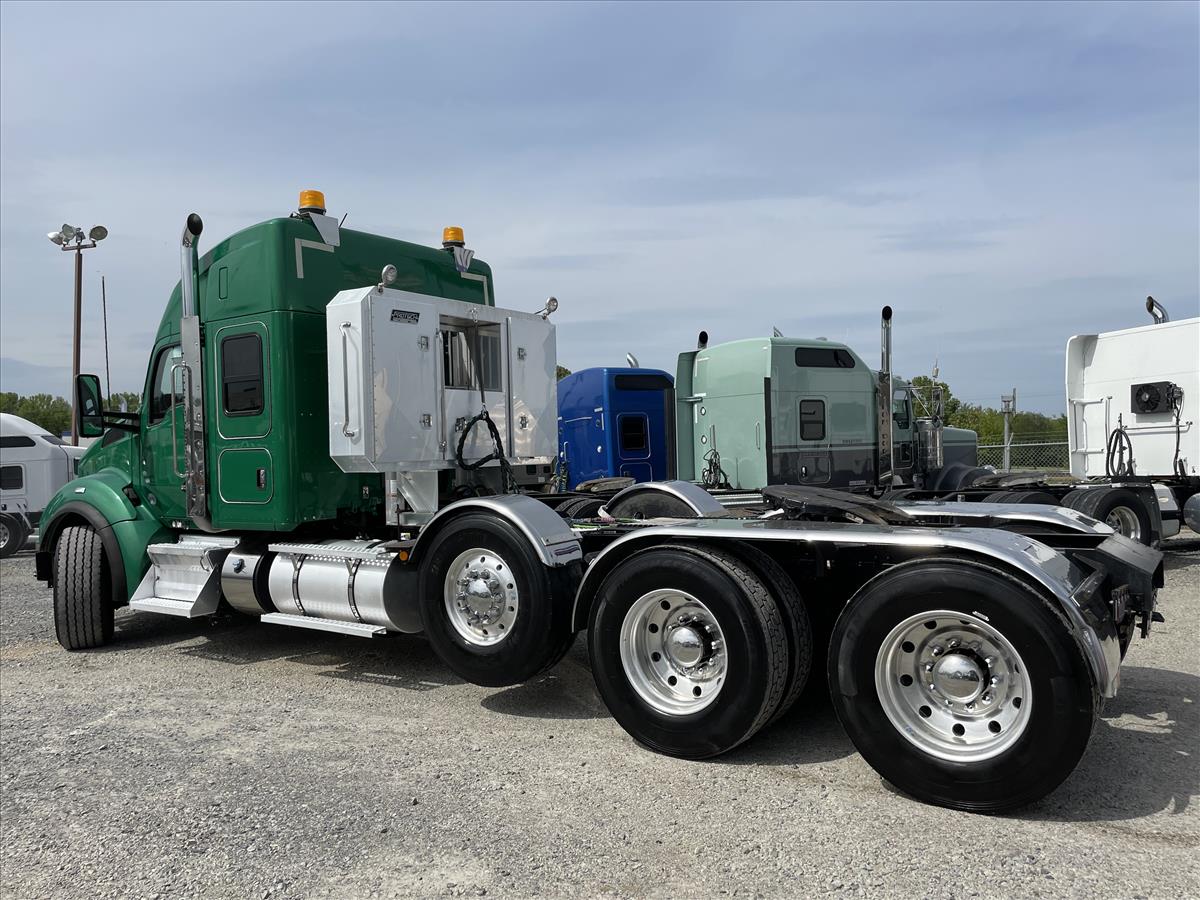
(242, 374)
(812, 420)
(633, 430)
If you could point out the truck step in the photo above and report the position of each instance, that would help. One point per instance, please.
(184, 578)
(166, 607)
(358, 629)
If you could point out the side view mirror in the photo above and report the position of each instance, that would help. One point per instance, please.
(89, 406)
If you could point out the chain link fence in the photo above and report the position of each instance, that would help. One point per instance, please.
(1026, 456)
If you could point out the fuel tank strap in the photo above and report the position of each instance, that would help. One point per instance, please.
(352, 572)
(297, 562)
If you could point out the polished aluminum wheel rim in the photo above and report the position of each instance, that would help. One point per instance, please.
(953, 685)
(673, 652)
(1124, 520)
(481, 597)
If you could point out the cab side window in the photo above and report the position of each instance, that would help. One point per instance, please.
(163, 391)
(242, 374)
(900, 409)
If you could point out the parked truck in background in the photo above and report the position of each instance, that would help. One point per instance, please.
(33, 466)
(783, 410)
(767, 411)
(1133, 404)
(343, 433)
(616, 423)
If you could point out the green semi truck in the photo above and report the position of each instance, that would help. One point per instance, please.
(783, 410)
(342, 432)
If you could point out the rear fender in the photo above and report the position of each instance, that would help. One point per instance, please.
(547, 532)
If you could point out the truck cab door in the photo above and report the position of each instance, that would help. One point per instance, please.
(244, 465)
(163, 425)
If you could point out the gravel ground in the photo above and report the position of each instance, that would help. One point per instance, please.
(229, 759)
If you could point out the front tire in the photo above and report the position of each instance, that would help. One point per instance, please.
(911, 667)
(689, 650)
(83, 608)
(492, 611)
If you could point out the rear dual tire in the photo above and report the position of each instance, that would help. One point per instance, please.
(692, 652)
(1119, 508)
(1007, 748)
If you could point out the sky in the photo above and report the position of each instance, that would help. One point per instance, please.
(1004, 176)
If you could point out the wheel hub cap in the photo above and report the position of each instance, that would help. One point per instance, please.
(480, 597)
(953, 685)
(673, 652)
(685, 646)
(958, 677)
(1124, 520)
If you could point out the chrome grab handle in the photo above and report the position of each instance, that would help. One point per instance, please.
(347, 431)
(175, 421)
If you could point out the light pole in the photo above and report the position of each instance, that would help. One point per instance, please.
(71, 237)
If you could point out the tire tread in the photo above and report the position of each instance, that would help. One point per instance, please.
(83, 613)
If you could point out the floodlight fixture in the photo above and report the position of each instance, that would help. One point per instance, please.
(98, 233)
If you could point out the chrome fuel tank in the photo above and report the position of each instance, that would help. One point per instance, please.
(347, 581)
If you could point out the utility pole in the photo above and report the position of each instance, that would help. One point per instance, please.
(104, 311)
(1008, 406)
(71, 237)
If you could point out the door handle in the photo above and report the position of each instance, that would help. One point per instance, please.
(346, 429)
(174, 421)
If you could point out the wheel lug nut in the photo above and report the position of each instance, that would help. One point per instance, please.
(937, 651)
(928, 667)
(971, 705)
(953, 643)
(994, 681)
(987, 698)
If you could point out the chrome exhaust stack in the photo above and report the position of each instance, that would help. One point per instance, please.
(886, 474)
(1157, 311)
(195, 465)
(189, 264)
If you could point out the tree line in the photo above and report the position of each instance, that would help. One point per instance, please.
(54, 413)
(988, 423)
